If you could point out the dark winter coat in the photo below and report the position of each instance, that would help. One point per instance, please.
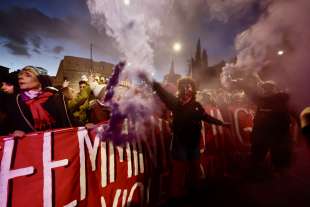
(186, 124)
(272, 115)
(20, 116)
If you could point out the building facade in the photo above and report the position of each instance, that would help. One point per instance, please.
(73, 68)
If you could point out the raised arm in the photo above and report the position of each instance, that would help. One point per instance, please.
(169, 100)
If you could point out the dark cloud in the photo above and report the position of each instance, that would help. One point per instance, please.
(20, 26)
(35, 29)
(17, 49)
(58, 49)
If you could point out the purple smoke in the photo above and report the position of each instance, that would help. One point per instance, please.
(114, 130)
(113, 81)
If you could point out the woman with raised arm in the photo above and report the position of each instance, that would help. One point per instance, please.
(186, 128)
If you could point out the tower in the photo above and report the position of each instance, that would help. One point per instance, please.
(172, 77)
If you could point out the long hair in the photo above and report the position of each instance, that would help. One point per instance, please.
(182, 83)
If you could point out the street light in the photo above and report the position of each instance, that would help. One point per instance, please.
(280, 52)
(127, 2)
(177, 47)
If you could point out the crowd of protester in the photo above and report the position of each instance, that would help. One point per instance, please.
(29, 102)
(80, 106)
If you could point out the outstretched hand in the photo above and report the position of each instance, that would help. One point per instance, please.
(65, 84)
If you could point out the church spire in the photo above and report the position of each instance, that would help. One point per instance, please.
(172, 71)
(190, 68)
(198, 53)
(205, 58)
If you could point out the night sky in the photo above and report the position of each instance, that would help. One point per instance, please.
(42, 32)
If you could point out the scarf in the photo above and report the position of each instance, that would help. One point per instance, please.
(42, 119)
(27, 95)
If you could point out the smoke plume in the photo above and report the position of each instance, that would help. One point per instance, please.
(134, 25)
(277, 45)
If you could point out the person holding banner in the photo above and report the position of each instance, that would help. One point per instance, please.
(36, 107)
(186, 129)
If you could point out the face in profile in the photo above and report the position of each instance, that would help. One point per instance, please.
(28, 81)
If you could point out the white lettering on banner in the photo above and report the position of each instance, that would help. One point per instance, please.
(6, 174)
(124, 198)
(141, 159)
(103, 203)
(135, 157)
(111, 163)
(129, 164)
(92, 150)
(116, 197)
(81, 134)
(120, 153)
(48, 165)
(132, 190)
(104, 164)
(71, 204)
(140, 150)
(237, 126)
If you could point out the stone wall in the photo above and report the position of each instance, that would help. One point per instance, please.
(72, 68)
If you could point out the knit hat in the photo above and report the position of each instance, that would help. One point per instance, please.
(30, 69)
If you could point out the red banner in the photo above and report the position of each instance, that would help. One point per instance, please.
(72, 167)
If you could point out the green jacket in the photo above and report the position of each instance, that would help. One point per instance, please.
(79, 106)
